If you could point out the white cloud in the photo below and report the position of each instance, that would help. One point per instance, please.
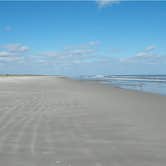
(71, 55)
(5, 54)
(11, 59)
(150, 48)
(147, 52)
(13, 52)
(147, 56)
(49, 54)
(16, 47)
(74, 54)
(144, 58)
(105, 3)
(94, 43)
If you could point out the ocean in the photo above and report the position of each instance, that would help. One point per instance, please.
(146, 83)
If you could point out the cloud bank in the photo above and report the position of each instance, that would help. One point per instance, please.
(88, 58)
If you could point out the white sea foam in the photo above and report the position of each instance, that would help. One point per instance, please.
(130, 78)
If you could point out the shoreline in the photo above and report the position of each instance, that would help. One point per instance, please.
(13, 78)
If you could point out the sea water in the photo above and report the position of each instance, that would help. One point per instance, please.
(146, 83)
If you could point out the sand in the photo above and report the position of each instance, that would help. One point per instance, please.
(51, 121)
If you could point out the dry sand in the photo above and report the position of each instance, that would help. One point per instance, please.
(51, 121)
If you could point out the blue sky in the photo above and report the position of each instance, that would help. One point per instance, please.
(83, 37)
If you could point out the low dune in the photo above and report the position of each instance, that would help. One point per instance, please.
(56, 121)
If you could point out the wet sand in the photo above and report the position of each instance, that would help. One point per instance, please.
(51, 121)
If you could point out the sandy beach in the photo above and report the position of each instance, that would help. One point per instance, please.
(56, 121)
